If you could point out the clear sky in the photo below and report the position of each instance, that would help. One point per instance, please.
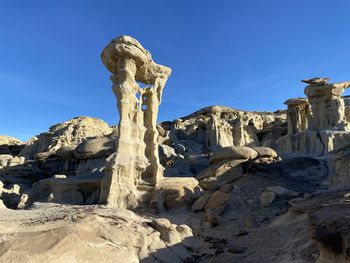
(246, 54)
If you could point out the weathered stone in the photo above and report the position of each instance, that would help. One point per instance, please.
(298, 115)
(267, 198)
(218, 201)
(200, 202)
(234, 152)
(129, 62)
(281, 191)
(178, 192)
(213, 217)
(265, 152)
(66, 152)
(221, 178)
(2, 206)
(95, 148)
(41, 156)
(4, 159)
(328, 109)
(8, 140)
(71, 132)
(89, 234)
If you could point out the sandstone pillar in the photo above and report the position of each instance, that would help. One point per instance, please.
(327, 105)
(298, 115)
(135, 162)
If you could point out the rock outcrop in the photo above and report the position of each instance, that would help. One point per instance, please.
(136, 160)
(89, 234)
(318, 124)
(71, 132)
(10, 145)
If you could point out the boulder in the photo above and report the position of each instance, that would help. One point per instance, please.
(15, 161)
(95, 148)
(215, 182)
(166, 152)
(218, 201)
(200, 202)
(218, 175)
(213, 217)
(66, 152)
(177, 192)
(265, 152)
(179, 148)
(41, 156)
(4, 159)
(267, 198)
(168, 231)
(282, 191)
(233, 152)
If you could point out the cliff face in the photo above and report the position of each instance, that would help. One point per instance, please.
(215, 127)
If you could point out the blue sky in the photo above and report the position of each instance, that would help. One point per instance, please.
(246, 54)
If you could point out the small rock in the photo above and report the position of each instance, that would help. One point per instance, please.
(218, 201)
(60, 176)
(226, 188)
(267, 198)
(281, 191)
(212, 217)
(236, 250)
(179, 148)
(265, 152)
(200, 202)
(347, 196)
(233, 152)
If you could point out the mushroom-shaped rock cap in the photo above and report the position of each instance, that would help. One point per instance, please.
(124, 47)
(296, 101)
(128, 47)
(316, 81)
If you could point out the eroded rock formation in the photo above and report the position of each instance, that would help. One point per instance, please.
(318, 124)
(135, 165)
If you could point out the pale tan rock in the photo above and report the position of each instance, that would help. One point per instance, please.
(41, 156)
(200, 202)
(2, 206)
(4, 159)
(220, 132)
(298, 115)
(217, 126)
(233, 152)
(267, 198)
(218, 201)
(95, 148)
(136, 161)
(71, 132)
(177, 192)
(89, 234)
(167, 230)
(327, 105)
(8, 140)
(217, 169)
(223, 176)
(265, 152)
(16, 161)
